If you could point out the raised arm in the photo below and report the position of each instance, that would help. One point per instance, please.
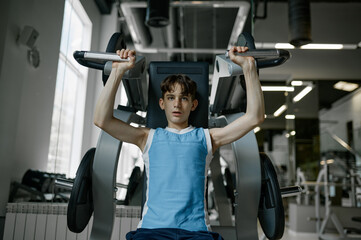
(103, 116)
(254, 115)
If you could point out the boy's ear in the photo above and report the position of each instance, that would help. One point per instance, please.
(161, 103)
(194, 104)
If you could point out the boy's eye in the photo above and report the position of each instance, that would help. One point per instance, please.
(170, 98)
(184, 98)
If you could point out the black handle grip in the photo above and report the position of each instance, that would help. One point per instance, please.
(79, 57)
(283, 56)
(267, 57)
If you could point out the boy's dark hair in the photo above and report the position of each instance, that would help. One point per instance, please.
(187, 84)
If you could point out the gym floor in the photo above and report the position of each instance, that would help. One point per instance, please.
(287, 235)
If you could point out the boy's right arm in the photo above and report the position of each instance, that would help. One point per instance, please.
(103, 116)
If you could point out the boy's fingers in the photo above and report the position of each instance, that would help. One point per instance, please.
(132, 53)
(121, 53)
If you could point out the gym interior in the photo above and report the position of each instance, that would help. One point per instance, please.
(306, 182)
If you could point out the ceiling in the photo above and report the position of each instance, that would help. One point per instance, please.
(332, 21)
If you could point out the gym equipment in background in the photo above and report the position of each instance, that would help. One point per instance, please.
(37, 186)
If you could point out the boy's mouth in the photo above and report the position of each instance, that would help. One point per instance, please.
(176, 113)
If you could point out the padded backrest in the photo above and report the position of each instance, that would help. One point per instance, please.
(197, 71)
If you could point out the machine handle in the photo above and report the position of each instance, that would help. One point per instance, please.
(96, 60)
(291, 191)
(266, 57)
(99, 56)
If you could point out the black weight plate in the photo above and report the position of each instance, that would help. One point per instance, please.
(271, 212)
(116, 42)
(80, 207)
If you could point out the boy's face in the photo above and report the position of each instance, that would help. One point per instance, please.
(177, 107)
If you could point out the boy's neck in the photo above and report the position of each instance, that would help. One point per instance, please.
(178, 126)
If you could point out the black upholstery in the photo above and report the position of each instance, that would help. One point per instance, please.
(197, 71)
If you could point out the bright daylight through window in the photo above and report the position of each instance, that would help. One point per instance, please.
(69, 101)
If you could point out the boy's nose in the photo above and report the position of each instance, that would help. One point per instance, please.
(177, 103)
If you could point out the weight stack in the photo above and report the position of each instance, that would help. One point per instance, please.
(299, 22)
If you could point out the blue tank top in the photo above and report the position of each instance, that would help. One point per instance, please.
(176, 164)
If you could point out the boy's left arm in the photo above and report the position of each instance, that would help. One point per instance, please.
(254, 115)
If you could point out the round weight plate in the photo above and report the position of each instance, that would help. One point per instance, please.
(116, 42)
(271, 212)
(80, 207)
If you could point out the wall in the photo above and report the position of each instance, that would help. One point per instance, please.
(4, 13)
(335, 119)
(27, 94)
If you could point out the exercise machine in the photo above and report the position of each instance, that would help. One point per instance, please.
(254, 171)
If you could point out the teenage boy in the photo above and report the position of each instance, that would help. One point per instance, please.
(177, 157)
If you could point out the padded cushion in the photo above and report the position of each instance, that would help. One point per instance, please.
(197, 71)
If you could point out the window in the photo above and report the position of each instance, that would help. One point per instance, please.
(69, 101)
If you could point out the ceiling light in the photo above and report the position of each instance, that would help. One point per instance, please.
(284, 46)
(329, 46)
(345, 86)
(303, 93)
(293, 133)
(318, 46)
(328, 161)
(280, 110)
(296, 83)
(322, 46)
(290, 116)
(277, 88)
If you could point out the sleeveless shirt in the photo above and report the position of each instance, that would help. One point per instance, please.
(176, 163)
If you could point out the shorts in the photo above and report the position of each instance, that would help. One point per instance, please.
(171, 234)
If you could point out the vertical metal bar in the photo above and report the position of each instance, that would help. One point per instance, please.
(248, 181)
(104, 178)
(195, 37)
(181, 29)
(222, 202)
